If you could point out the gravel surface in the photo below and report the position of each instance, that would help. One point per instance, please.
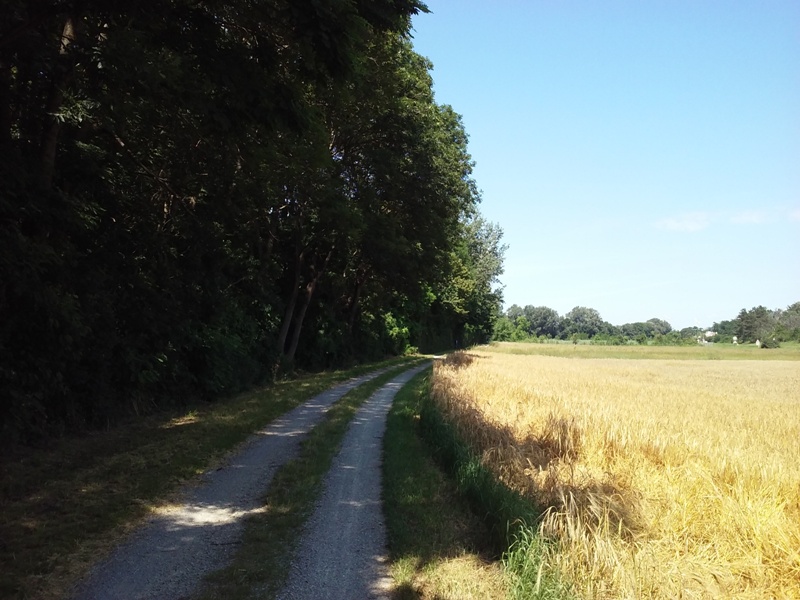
(168, 557)
(342, 553)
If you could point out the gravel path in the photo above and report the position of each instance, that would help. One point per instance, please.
(342, 553)
(168, 557)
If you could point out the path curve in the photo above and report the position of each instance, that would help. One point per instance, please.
(342, 553)
(170, 554)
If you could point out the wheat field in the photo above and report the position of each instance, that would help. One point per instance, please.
(659, 478)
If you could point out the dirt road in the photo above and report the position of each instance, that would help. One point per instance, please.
(342, 555)
(168, 557)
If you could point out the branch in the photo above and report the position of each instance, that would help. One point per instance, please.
(161, 181)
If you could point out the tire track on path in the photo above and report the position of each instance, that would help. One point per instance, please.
(342, 553)
(169, 555)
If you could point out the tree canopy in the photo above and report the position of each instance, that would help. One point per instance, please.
(194, 196)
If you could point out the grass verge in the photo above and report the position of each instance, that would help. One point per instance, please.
(261, 564)
(510, 518)
(438, 547)
(65, 505)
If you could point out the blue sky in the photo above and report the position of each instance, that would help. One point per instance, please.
(642, 157)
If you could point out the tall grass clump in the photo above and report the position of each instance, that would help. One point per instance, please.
(659, 478)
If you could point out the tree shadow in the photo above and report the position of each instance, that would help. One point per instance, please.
(559, 497)
(180, 543)
(171, 553)
(460, 359)
(557, 507)
(449, 530)
(429, 523)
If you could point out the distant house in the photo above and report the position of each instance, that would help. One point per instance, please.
(704, 339)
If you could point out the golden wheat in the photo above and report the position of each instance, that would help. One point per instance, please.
(661, 478)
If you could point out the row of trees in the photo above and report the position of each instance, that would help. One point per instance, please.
(541, 322)
(195, 195)
(761, 323)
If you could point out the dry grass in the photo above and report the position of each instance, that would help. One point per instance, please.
(464, 577)
(787, 351)
(664, 478)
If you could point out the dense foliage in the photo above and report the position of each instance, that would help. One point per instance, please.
(769, 327)
(195, 195)
(760, 323)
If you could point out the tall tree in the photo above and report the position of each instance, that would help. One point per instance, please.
(755, 324)
(660, 326)
(167, 166)
(582, 321)
(544, 321)
(514, 311)
(481, 261)
(789, 322)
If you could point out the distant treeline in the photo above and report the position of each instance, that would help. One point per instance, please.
(195, 196)
(581, 323)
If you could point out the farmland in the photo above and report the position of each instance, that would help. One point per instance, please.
(661, 473)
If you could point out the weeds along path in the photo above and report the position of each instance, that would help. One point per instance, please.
(342, 554)
(170, 554)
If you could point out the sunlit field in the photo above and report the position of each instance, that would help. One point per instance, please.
(788, 351)
(661, 478)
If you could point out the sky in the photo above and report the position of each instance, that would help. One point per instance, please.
(641, 157)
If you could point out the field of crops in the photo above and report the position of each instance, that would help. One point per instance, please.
(672, 477)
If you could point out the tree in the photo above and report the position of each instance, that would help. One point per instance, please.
(660, 326)
(472, 295)
(522, 329)
(583, 322)
(691, 333)
(725, 329)
(184, 189)
(514, 311)
(789, 323)
(503, 330)
(486, 254)
(756, 324)
(544, 321)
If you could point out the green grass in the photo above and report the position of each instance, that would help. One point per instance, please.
(65, 505)
(438, 547)
(530, 579)
(262, 561)
(787, 351)
(511, 519)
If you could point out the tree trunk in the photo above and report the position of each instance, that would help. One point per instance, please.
(290, 306)
(353, 309)
(298, 322)
(61, 77)
(265, 250)
(5, 104)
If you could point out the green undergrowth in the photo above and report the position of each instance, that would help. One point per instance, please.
(63, 506)
(437, 545)
(261, 564)
(510, 518)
